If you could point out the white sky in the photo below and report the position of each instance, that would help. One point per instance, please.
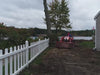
(82, 13)
(30, 13)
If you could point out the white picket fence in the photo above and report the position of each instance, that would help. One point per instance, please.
(17, 58)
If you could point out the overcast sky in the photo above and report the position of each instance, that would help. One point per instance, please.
(30, 13)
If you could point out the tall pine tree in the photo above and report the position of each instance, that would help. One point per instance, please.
(54, 14)
(59, 14)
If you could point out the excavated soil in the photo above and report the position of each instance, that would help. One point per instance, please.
(75, 61)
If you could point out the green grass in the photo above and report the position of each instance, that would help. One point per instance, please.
(87, 44)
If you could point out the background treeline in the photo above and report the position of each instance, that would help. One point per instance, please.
(82, 33)
(11, 36)
(63, 32)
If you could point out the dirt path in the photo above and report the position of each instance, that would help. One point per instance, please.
(77, 61)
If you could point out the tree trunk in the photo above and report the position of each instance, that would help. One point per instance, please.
(47, 18)
(49, 33)
(56, 30)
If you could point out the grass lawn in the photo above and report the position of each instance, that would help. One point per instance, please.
(87, 44)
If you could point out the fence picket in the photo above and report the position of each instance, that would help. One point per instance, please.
(24, 55)
(6, 62)
(1, 67)
(15, 60)
(21, 56)
(26, 51)
(11, 61)
(31, 52)
(18, 59)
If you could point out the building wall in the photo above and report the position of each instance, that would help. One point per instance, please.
(97, 41)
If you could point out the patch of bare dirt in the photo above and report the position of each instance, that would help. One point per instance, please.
(76, 61)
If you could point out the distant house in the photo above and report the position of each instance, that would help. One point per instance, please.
(97, 32)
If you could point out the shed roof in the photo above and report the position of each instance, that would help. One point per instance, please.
(98, 14)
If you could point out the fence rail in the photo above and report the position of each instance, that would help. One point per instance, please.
(17, 58)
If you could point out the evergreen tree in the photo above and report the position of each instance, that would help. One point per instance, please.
(54, 14)
(59, 14)
(64, 15)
